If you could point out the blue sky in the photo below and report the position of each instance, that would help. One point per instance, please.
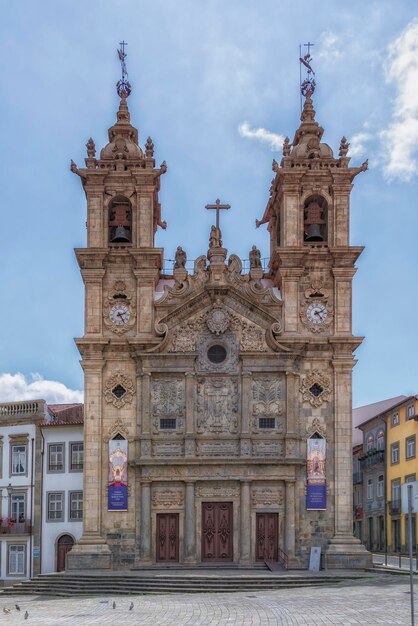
(215, 84)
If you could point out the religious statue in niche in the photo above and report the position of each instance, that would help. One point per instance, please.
(180, 258)
(255, 257)
(217, 402)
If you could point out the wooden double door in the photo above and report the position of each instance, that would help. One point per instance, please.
(267, 536)
(217, 532)
(168, 537)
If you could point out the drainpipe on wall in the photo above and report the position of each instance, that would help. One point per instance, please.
(31, 509)
(41, 497)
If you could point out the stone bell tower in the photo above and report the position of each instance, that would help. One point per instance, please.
(120, 267)
(313, 264)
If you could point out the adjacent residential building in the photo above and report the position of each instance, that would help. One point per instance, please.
(402, 467)
(62, 492)
(372, 467)
(41, 463)
(382, 463)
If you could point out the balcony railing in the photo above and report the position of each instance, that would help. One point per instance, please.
(395, 507)
(372, 459)
(15, 528)
(357, 478)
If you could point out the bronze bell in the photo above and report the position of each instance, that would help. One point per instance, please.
(121, 235)
(313, 233)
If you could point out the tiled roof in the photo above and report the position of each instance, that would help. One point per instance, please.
(64, 415)
(365, 413)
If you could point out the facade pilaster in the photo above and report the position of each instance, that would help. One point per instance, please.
(190, 524)
(145, 528)
(289, 532)
(245, 530)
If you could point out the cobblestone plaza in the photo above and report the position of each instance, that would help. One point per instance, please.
(381, 601)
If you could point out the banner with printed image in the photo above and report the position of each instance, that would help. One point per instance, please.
(117, 491)
(316, 491)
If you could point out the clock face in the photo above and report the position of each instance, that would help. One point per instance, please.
(119, 314)
(317, 313)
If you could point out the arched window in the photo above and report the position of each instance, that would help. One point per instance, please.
(381, 440)
(315, 217)
(370, 442)
(120, 220)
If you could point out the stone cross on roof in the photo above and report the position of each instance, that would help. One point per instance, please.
(218, 207)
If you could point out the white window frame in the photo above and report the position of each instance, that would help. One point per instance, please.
(380, 486)
(18, 496)
(59, 452)
(369, 442)
(380, 440)
(22, 455)
(370, 488)
(71, 509)
(410, 411)
(78, 453)
(394, 448)
(394, 420)
(395, 489)
(410, 447)
(50, 511)
(16, 561)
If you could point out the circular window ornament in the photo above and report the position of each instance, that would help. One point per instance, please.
(217, 354)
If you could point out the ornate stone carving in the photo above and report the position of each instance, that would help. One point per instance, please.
(267, 396)
(119, 381)
(167, 400)
(316, 425)
(218, 319)
(270, 448)
(91, 148)
(255, 258)
(267, 496)
(117, 427)
(167, 498)
(316, 388)
(168, 448)
(184, 336)
(217, 491)
(252, 337)
(217, 405)
(180, 258)
(217, 448)
(228, 341)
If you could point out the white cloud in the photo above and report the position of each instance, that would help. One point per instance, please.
(17, 387)
(358, 143)
(274, 140)
(328, 47)
(400, 138)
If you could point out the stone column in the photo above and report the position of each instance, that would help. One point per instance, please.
(146, 522)
(290, 293)
(343, 277)
(189, 444)
(289, 531)
(245, 530)
(245, 414)
(146, 397)
(190, 525)
(93, 297)
(292, 403)
(344, 550)
(91, 550)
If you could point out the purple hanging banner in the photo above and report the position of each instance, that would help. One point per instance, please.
(316, 490)
(117, 491)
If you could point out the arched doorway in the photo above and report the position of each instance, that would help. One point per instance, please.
(64, 545)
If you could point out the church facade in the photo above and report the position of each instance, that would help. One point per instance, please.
(217, 401)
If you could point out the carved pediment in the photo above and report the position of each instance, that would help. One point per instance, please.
(209, 311)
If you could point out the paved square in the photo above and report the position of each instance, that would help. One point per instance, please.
(377, 602)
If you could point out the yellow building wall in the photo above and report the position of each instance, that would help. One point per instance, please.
(405, 467)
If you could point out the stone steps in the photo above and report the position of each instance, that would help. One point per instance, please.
(73, 585)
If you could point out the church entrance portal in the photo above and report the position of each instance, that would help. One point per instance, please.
(267, 527)
(217, 532)
(168, 537)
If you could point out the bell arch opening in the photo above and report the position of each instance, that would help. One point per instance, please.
(120, 220)
(315, 220)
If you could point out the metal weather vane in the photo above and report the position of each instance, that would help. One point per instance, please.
(307, 86)
(123, 86)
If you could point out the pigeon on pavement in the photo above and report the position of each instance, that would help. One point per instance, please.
(17, 607)
(26, 615)
(131, 606)
(114, 604)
